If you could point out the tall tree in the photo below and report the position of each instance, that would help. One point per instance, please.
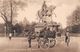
(25, 22)
(74, 18)
(9, 9)
(73, 21)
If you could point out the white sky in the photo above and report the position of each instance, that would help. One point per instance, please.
(64, 9)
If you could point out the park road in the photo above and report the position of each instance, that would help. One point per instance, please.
(20, 44)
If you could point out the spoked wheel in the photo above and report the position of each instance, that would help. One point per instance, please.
(44, 43)
(52, 43)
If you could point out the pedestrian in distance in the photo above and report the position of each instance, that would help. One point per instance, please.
(10, 36)
(29, 39)
(67, 37)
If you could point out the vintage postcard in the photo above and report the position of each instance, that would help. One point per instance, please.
(39, 25)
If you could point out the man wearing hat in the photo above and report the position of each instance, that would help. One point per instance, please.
(67, 36)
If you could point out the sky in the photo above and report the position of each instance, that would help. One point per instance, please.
(64, 8)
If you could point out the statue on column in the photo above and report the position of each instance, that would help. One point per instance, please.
(46, 12)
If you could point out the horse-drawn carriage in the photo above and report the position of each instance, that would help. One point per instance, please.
(46, 35)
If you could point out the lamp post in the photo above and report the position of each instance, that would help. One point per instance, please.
(14, 33)
(5, 30)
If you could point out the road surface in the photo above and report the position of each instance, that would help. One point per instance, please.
(20, 44)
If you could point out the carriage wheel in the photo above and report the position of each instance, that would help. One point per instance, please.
(44, 44)
(52, 43)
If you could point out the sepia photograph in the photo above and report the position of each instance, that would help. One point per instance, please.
(39, 25)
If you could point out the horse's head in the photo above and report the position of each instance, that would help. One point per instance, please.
(51, 8)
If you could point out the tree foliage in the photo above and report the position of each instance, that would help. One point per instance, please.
(74, 18)
(73, 21)
(9, 9)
